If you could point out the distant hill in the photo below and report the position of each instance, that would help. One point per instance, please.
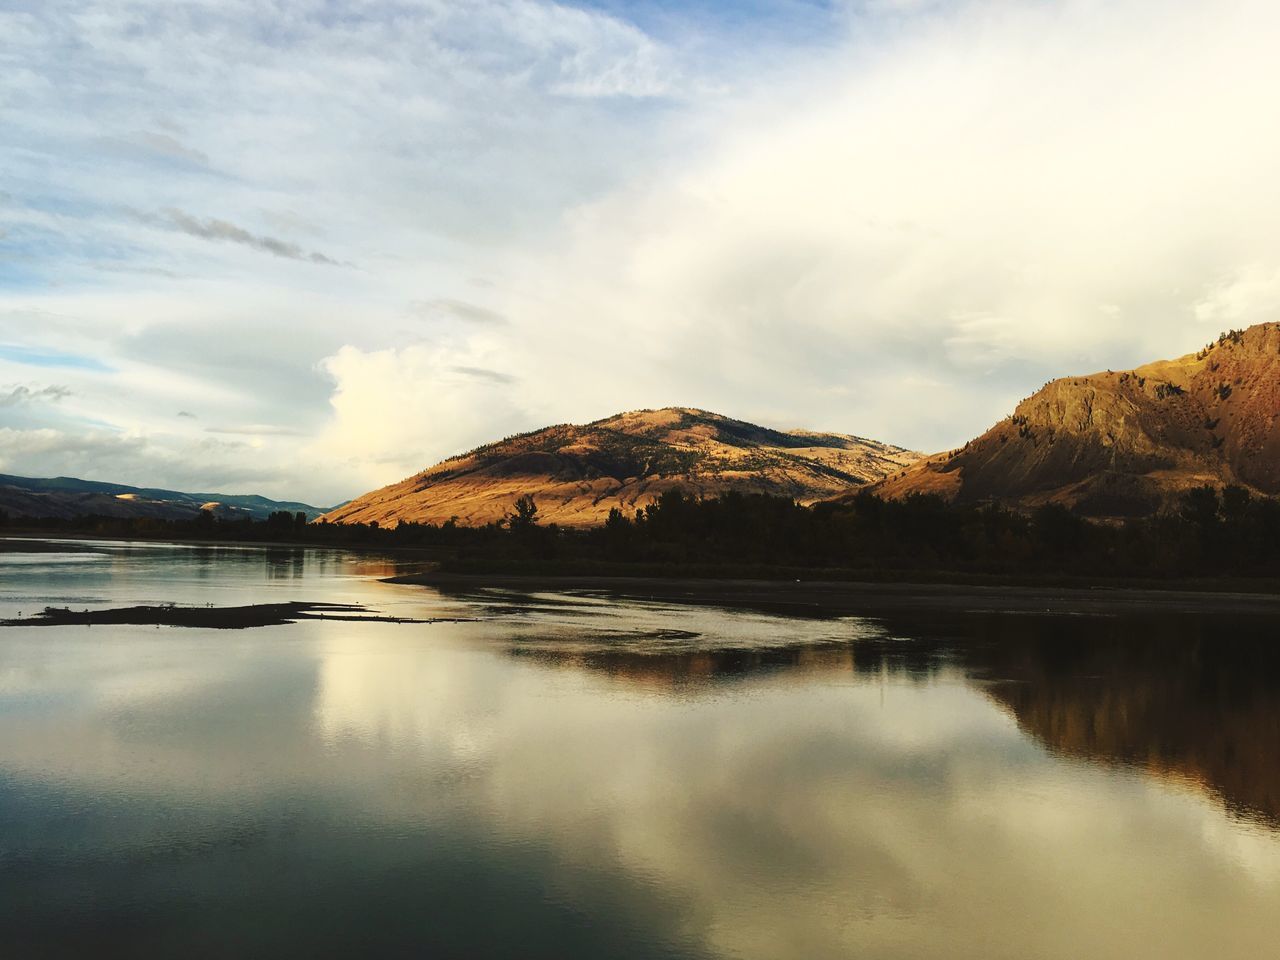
(576, 474)
(68, 497)
(1126, 443)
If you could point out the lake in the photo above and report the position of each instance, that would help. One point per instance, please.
(569, 774)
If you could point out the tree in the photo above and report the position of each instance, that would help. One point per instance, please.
(280, 522)
(1057, 529)
(1235, 503)
(1200, 506)
(525, 515)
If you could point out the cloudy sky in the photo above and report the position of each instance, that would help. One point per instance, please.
(307, 247)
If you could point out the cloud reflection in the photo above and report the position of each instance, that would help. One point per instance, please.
(684, 782)
(827, 807)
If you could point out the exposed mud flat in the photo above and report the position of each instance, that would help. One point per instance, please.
(221, 618)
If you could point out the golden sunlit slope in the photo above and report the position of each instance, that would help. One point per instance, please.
(1125, 443)
(578, 473)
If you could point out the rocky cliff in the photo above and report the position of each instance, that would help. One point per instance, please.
(1128, 442)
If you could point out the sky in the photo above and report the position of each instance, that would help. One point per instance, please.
(305, 248)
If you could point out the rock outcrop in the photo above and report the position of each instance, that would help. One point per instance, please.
(1126, 443)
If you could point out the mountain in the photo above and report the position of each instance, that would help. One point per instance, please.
(1126, 443)
(67, 497)
(576, 474)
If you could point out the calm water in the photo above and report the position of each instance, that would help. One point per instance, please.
(578, 777)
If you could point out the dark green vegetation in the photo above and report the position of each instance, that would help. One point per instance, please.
(1213, 535)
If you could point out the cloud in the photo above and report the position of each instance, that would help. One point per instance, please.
(951, 797)
(1246, 293)
(140, 269)
(220, 230)
(138, 459)
(422, 140)
(152, 143)
(398, 411)
(455, 310)
(893, 219)
(255, 430)
(483, 374)
(983, 197)
(46, 452)
(186, 414)
(599, 56)
(21, 394)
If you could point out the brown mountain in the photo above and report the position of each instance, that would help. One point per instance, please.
(1125, 443)
(576, 474)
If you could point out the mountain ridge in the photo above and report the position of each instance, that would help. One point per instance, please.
(578, 472)
(69, 497)
(1125, 443)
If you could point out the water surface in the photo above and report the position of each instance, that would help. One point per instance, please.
(577, 776)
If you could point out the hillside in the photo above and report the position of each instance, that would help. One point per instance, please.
(69, 497)
(1126, 443)
(578, 473)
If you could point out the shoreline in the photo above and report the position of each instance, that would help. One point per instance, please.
(826, 592)
(427, 553)
(827, 598)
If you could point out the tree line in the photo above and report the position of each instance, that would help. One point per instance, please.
(1211, 534)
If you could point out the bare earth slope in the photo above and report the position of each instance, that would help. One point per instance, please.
(576, 474)
(1126, 443)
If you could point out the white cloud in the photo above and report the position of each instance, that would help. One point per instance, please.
(16, 444)
(416, 140)
(895, 231)
(444, 308)
(397, 411)
(138, 458)
(22, 394)
(254, 430)
(1251, 292)
(954, 202)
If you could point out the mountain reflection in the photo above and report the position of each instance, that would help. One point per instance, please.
(674, 671)
(628, 779)
(1185, 698)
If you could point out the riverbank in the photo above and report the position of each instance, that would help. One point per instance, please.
(822, 598)
(799, 586)
(35, 542)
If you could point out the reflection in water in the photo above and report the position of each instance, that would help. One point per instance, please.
(285, 563)
(660, 669)
(814, 800)
(579, 777)
(1191, 698)
(1195, 699)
